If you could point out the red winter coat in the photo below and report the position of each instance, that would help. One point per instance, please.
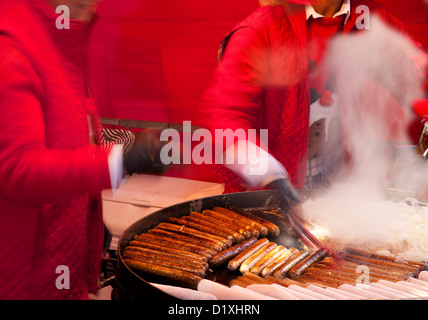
(262, 83)
(50, 175)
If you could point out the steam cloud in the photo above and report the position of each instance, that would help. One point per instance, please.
(375, 72)
(377, 82)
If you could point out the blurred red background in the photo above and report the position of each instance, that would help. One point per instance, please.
(152, 60)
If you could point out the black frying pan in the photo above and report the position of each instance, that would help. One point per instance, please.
(132, 285)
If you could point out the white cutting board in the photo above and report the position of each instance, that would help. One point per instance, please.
(160, 191)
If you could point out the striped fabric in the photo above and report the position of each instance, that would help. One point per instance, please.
(117, 136)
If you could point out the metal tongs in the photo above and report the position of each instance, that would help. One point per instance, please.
(422, 147)
(288, 193)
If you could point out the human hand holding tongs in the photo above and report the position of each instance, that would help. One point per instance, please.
(289, 194)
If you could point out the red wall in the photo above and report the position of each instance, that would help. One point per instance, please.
(414, 14)
(155, 58)
(152, 60)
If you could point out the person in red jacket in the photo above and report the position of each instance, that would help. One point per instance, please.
(52, 164)
(267, 78)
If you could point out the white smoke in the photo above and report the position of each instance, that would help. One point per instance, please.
(377, 81)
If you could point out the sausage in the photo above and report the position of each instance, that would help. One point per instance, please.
(288, 282)
(253, 259)
(186, 238)
(179, 265)
(221, 242)
(270, 269)
(254, 278)
(236, 262)
(245, 233)
(170, 243)
(353, 271)
(273, 280)
(239, 282)
(226, 255)
(180, 229)
(200, 227)
(179, 277)
(319, 268)
(137, 243)
(242, 281)
(208, 221)
(329, 277)
(165, 255)
(296, 257)
(370, 261)
(231, 221)
(273, 229)
(355, 251)
(236, 235)
(308, 279)
(304, 264)
(372, 268)
(263, 231)
(267, 259)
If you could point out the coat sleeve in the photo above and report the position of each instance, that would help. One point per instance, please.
(31, 173)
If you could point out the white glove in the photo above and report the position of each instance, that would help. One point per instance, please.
(253, 164)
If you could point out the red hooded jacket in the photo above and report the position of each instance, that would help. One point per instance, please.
(51, 177)
(262, 83)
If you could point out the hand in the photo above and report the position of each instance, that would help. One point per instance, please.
(144, 155)
(261, 170)
(285, 188)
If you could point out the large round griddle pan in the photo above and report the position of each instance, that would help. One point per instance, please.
(132, 285)
(265, 203)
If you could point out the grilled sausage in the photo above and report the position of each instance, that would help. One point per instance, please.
(359, 252)
(221, 242)
(236, 235)
(373, 268)
(263, 231)
(309, 279)
(352, 271)
(270, 269)
(186, 238)
(232, 221)
(304, 264)
(273, 229)
(370, 261)
(253, 259)
(236, 262)
(137, 243)
(288, 282)
(273, 280)
(174, 243)
(245, 233)
(239, 282)
(165, 255)
(259, 266)
(179, 265)
(296, 257)
(328, 276)
(203, 228)
(372, 276)
(228, 254)
(254, 278)
(179, 277)
(242, 281)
